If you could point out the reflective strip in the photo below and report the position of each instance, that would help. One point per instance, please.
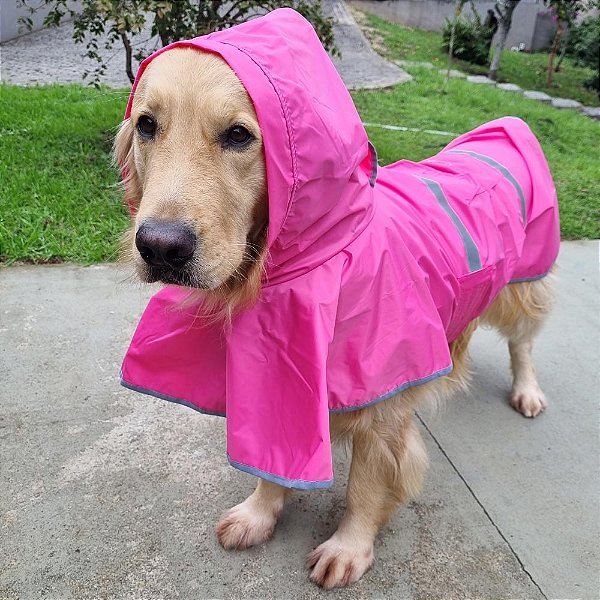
(528, 279)
(395, 391)
(299, 484)
(504, 171)
(149, 392)
(470, 247)
(374, 165)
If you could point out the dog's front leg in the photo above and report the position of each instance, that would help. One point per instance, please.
(252, 522)
(388, 464)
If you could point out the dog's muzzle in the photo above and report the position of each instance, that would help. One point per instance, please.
(165, 243)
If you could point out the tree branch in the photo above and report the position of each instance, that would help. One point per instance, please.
(128, 54)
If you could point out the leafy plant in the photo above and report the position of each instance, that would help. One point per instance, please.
(565, 12)
(585, 42)
(168, 20)
(585, 49)
(471, 39)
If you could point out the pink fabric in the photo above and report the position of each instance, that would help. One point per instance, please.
(365, 286)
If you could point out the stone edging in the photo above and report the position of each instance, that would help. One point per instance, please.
(563, 103)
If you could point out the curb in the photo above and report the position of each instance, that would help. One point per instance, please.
(593, 112)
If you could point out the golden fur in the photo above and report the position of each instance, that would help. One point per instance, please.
(184, 174)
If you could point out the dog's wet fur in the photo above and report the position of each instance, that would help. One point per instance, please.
(192, 155)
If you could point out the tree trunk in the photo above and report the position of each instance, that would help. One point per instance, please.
(553, 52)
(504, 23)
(166, 25)
(457, 11)
(163, 33)
(500, 41)
(128, 53)
(564, 48)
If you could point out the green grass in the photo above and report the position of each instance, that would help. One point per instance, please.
(526, 70)
(58, 197)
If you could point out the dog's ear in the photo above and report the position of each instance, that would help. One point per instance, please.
(124, 159)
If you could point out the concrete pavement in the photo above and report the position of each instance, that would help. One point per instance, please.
(358, 64)
(51, 56)
(106, 493)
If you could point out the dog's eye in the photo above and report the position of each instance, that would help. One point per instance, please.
(146, 126)
(238, 137)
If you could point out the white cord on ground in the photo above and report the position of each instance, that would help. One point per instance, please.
(401, 128)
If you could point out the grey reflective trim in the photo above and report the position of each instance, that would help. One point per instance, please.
(141, 390)
(299, 484)
(470, 247)
(504, 171)
(534, 278)
(290, 483)
(374, 165)
(395, 391)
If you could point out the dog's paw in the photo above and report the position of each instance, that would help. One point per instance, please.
(338, 563)
(528, 400)
(244, 525)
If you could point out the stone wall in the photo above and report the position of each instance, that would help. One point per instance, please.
(531, 25)
(10, 12)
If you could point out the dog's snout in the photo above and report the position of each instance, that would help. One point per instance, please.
(165, 243)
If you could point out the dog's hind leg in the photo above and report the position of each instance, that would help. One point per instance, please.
(388, 464)
(252, 522)
(518, 313)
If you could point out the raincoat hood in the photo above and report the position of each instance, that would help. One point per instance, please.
(370, 275)
(318, 161)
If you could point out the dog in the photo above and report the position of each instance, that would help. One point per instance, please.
(296, 303)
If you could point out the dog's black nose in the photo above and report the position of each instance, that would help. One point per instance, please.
(165, 243)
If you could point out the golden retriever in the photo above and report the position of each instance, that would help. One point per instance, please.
(192, 151)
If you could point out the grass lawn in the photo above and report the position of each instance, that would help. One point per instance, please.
(526, 70)
(59, 198)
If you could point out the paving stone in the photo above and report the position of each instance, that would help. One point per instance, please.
(480, 79)
(510, 87)
(359, 66)
(415, 63)
(565, 103)
(51, 56)
(539, 96)
(592, 111)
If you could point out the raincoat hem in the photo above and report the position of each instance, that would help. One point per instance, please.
(533, 278)
(397, 390)
(149, 392)
(299, 484)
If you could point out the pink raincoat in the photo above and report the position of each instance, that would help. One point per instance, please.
(370, 275)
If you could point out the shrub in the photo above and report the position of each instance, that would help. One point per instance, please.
(585, 49)
(168, 20)
(593, 83)
(472, 40)
(585, 42)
